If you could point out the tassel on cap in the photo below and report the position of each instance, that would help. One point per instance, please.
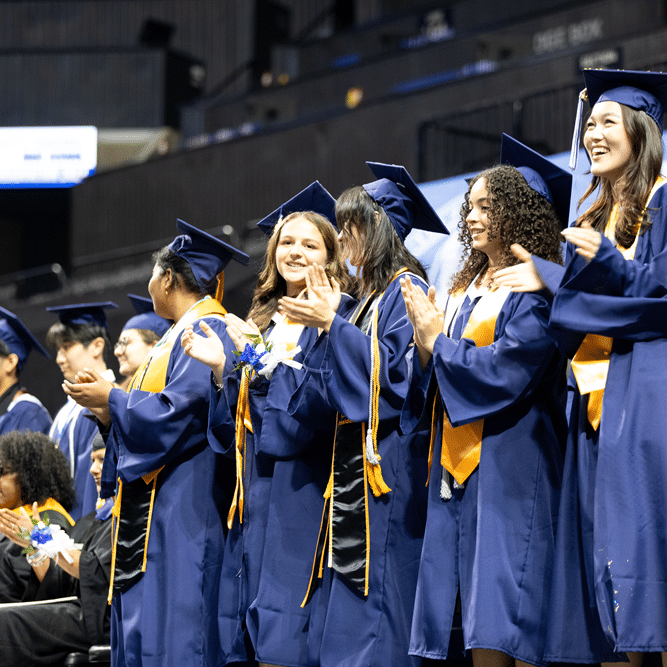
(576, 136)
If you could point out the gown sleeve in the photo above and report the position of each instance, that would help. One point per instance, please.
(151, 429)
(339, 367)
(612, 296)
(478, 382)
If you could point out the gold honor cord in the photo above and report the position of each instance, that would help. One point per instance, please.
(355, 457)
(462, 445)
(287, 332)
(243, 425)
(590, 364)
(151, 377)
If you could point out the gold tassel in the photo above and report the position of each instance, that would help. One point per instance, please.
(220, 289)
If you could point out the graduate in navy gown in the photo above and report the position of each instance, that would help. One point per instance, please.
(284, 466)
(609, 314)
(365, 568)
(173, 487)
(139, 336)
(19, 410)
(496, 464)
(81, 340)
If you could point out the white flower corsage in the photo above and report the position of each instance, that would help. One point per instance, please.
(48, 540)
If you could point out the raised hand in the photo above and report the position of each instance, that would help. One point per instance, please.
(11, 524)
(586, 239)
(207, 348)
(426, 317)
(520, 277)
(91, 391)
(315, 310)
(329, 287)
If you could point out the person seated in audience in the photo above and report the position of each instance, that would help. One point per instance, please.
(77, 582)
(32, 470)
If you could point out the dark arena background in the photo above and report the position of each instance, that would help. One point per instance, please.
(216, 111)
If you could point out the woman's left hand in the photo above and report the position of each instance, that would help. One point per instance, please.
(585, 238)
(520, 277)
(91, 391)
(315, 311)
(11, 524)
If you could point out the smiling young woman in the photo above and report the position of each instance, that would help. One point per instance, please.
(608, 314)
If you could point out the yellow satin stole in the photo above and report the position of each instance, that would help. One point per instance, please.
(590, 364)
(462, 445)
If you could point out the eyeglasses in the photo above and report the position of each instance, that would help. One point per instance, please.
(121, 344)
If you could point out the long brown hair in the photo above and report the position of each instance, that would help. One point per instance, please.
(383, 252)
(271, 285)
(634, 186)
(517, 214)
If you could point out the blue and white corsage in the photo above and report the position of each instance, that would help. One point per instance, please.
(263, 357)
(48, 541)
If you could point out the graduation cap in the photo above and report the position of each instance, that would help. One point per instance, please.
(146, 317)
(17, 337)
(313, 198)
(84, 313)
(206, 254)
(542, 175)
(402, 201)
(644, 91)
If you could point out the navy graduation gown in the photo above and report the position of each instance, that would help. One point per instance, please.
(610, 580)
(493, 540)
(276, 625)
(346, 628)
(75, 440)
(25, 413)
(169, 616)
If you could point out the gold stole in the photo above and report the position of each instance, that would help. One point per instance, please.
(462, 445)
(590, 364)
(49, 504)
(151, 376)
(284, 331)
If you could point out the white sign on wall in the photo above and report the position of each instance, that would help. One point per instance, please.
(46, 157)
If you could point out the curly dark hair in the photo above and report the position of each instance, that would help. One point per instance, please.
(634, 186)
(517, 214)
(43, 470)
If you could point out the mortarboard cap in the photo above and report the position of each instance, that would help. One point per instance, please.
(645, 91)
(84, 313)
(17, 337)
(402, 201)
(206, 254)
(313, 198)
(542, 175)
(146, 317)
